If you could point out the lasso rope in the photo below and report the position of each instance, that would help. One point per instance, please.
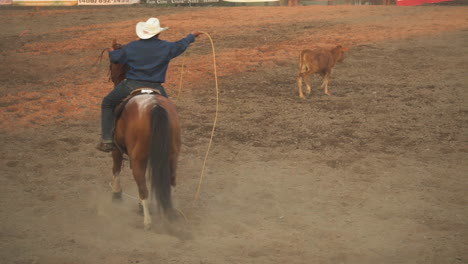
(181, 74)
(214, 122)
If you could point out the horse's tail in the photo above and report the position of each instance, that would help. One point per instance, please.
(159, 158)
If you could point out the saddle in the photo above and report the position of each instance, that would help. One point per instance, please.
(119, 108)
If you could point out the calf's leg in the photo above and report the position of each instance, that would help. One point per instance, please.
(299, 85)
(306, 81)
(326, 78)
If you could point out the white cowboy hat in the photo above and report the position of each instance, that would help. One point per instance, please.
(150, 28)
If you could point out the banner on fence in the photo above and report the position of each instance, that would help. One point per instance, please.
(250, 1)
(6, 2)
(108, 2)
(165, 2)
(417, 2)
(44, 2)
(436, 1)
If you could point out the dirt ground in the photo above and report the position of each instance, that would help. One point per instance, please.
(374, 173)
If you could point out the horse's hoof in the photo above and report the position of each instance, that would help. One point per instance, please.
(117, 197)
(147, 227)
(174, 216)
(140, 209)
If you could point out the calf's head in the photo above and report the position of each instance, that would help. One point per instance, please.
(338, 53)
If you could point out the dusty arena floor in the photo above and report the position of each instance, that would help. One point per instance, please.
(374, 173)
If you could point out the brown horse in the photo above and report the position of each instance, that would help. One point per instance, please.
(148, 131)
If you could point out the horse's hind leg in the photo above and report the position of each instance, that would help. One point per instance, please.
(139, 171)
(173, 165)
(116, 169)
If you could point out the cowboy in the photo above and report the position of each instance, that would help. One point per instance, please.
(147, 60)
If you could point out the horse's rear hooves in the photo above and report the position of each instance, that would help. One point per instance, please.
(117, 197)
(140, 209)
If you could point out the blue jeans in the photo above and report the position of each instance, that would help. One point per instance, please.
(115, 97)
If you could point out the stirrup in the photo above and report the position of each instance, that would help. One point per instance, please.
(105, 147)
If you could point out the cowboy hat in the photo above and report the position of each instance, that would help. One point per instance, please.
(150, 28)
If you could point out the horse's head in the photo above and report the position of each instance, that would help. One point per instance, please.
(116, 45)
(117, 71)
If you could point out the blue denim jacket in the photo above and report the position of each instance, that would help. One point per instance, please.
(148, 59)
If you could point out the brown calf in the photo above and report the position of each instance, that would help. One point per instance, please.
(318, 61)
